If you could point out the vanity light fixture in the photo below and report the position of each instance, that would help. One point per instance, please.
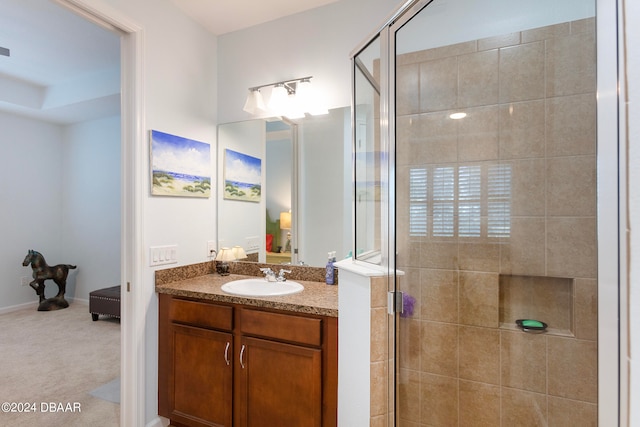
(222, 261)
(289, 98)
(254, 103)
(304, 94)
(309, 100)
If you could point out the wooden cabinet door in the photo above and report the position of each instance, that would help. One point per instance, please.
(202, 378)
(279, 385)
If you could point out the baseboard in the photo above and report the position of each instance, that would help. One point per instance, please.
(34, 304)
(158, 421)
(79, 301)
(17, 307)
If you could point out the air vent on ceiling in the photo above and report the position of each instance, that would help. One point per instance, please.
(4, 51)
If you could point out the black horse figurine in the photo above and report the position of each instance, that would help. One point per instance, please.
(42, 272)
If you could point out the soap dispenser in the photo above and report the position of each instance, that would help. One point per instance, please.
(329, 275)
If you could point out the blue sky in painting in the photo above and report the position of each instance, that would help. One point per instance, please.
(242, 168)
(181, 155)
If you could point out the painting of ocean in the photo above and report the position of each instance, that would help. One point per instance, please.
(179, 166)
(242, 177)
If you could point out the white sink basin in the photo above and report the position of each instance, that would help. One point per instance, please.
(261, 288)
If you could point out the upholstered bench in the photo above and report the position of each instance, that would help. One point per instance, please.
(105, 301)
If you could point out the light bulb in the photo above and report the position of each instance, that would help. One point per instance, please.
(278, 100)
(304, 95)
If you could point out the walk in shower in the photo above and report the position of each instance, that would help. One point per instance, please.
(475, 123)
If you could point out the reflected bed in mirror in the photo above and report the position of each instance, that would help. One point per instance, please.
(306, 172)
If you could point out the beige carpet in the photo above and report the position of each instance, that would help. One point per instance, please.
(51, 361)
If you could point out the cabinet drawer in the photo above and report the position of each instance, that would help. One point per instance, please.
(201, 314)
(285, 327)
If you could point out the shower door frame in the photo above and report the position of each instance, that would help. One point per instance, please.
(613, 286)
(613, 345)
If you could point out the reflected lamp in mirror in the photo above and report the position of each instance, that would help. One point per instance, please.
(222, 261)
(285, 220)
(238, 253)
(285, 224)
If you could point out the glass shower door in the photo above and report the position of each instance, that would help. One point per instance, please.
(368, 163)
(494, 107)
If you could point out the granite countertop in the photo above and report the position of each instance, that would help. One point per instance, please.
(316, 298)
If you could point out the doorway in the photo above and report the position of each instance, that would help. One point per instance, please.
(132, 369)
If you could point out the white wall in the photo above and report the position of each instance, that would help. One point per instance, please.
(90, 196)
(62, 199)
(354, 345)
(31, 213)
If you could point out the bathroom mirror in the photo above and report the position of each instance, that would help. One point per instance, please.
(304, 169)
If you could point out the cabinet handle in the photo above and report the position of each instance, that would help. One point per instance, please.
(226, 354)
(241, 354)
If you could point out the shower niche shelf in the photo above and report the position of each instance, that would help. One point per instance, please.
(544, 298)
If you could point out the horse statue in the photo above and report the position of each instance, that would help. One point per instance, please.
(42, 272)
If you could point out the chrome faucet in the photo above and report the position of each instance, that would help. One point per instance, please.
(281, 274)
(269, 274)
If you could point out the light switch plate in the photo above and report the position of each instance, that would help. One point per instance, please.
(161, 255)
(253, 243)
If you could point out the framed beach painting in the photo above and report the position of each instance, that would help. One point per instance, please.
(242, 177)
(179, 166)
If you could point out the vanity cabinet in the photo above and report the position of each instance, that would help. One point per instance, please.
(195, 367)
(235, 365)
(194, 364)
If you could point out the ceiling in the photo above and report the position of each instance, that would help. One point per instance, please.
(63, 69)
(225, 16)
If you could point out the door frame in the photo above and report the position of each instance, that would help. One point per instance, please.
(613, 285)
(132, 341)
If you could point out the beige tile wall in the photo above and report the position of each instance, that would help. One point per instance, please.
(530, 99)
(381, 361)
